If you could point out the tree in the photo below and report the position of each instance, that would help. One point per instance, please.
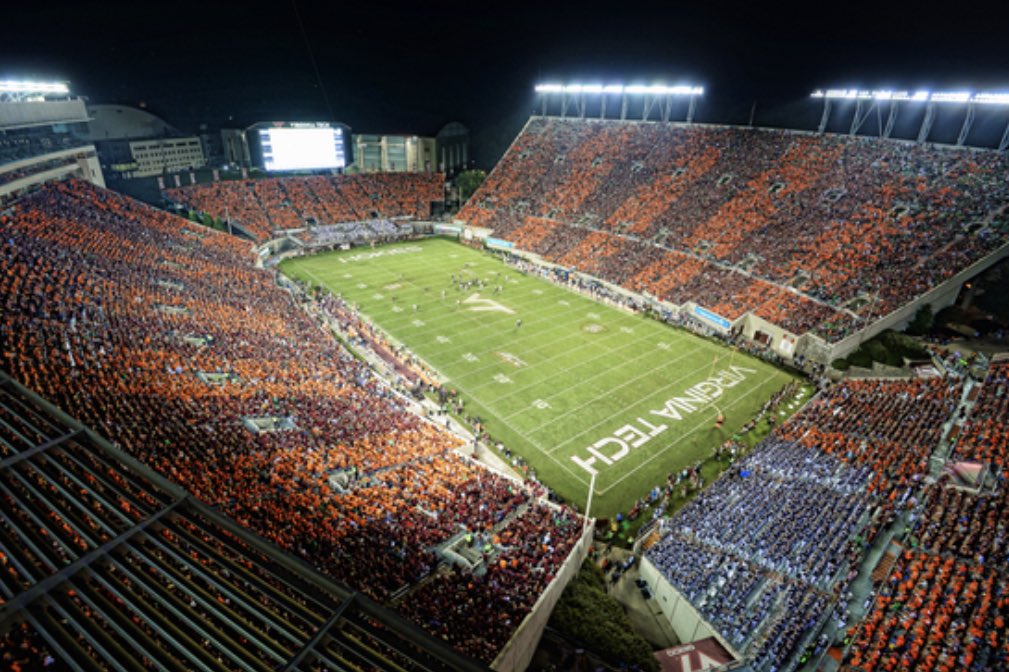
(922, 321)
(589, 616)
(468, 181)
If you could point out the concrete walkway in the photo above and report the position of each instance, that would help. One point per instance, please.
(645, 615)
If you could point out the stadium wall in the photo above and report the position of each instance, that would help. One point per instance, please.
(782, 341)
(517, 654)
(938, 297)
(686, 621)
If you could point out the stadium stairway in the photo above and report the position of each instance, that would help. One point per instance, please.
(878, 561)
(951, 429)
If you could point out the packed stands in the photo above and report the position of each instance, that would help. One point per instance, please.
(108, 566)
(164, 337)
(892, 433)
(792, 227)
(760, 552)
(355, 233)
(985, 435)
(15, 147)
(765, 552)
(946, 603)
(264, 206)
(936, 613)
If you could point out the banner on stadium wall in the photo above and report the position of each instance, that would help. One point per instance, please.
(161, 183)
(497, 242)
(717, 320)
(448, 229)
(787, 345)
(217, 175)
(704, 654)
(178, 181)
(192, 177)
(245, 173)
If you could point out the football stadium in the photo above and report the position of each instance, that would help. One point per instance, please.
(314, 412)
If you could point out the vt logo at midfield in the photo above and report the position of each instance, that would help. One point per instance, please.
(478, 305)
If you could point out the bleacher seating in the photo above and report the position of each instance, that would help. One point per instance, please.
(355, 233)
(15, 147)
(781, 526)
(151, 579)
(985, 435)
(116, 312)
(790, 226)
(945, 605)
(267, 205)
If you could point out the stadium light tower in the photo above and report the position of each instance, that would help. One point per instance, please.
(868, 100)
(22, 89)
(574, 97)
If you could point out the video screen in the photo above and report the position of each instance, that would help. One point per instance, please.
(302, 148)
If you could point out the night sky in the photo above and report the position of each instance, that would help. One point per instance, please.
(401, 67)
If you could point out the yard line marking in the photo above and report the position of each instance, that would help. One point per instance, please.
(601, 372)
(532, 442)
(777, 375)
(654, 392)
(539, 308)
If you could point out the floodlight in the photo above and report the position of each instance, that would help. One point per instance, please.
(951, 96)
(15, 86)
(991, 98)
(630, 89)
(922, 96)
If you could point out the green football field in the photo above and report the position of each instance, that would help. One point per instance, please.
(576, 388)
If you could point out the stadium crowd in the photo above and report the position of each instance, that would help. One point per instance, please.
(792, 227)
(14, 147)
(985, 435)
(892, 428)
(164, 337)
(776, 530)
(795, 516)
(264, 206)
(946, 603)
(355, 233)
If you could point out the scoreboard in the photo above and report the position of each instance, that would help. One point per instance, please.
(299, 146)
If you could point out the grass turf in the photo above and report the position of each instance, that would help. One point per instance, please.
(573, 374)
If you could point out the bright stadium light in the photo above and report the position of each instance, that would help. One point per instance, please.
(951, 97)
(16, 86)
(981, 98)
(617, 89)
(549, 88)
(991, 98)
